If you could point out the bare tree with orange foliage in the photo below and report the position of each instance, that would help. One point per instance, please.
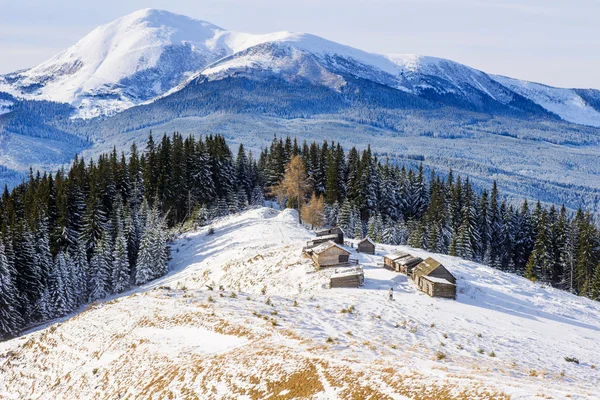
(294, 184)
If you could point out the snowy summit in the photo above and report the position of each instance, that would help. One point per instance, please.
(149, 53)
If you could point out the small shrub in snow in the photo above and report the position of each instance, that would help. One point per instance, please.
(593, 366)
(349, 333)
(233, 295)
(210, 299)
(211, 231)
(480, 351)
(394, 347)
(440, 356)
(445, 336)
(248, 298)
(479, 335)
(274, 322)
(268, 302)
(572, 360)
(329, 340)
(492, 354)
(442, 344)
(413, 330)
(274, 312)
(460, 347)
(295, 303)
(432, 326)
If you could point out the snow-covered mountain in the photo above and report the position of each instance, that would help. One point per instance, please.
(277, 331)
(123, 63)
(157, 70)
(149, 53)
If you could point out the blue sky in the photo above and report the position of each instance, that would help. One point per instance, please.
(549, 41)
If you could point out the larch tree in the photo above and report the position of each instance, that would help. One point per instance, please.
(294, 184)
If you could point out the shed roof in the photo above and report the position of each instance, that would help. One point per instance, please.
(326, 246)
(329, 231)
(367, 239)
(409, 260)
(427, 266)
(396, 255)
(435, 279)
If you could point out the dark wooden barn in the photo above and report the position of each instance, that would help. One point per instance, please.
(330, 254)
(352, 277)
(433, 278)
(338, 232)
(366, 246)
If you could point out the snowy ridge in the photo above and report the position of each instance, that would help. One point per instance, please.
(566, 103)
(152, 53)
(175, 338)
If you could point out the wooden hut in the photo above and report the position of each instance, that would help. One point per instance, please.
(406, 264)
(433, 278)
(366, 246)
(389, 259)
(347, 277)
(338, 232)
(319, 240)
(330, 254)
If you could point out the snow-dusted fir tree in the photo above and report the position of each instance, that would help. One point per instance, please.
(241, 200)
(10, 317)
(344, 220)
(146, 262)
(80, 273)
(43, 266)
(258, 197)
(58, 288)
(120, 264)
(159, 249)
(100, 274)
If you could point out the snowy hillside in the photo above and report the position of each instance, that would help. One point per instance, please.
(566, 103)
(277, 331)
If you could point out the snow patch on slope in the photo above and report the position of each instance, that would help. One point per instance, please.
(5, 106)
(565, 103)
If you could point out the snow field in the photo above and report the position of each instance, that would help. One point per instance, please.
(276, 330)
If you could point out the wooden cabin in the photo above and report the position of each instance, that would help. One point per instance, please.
(406, 264)
(352, 277)
(389, 259)
(319, 240)
(338, 232)
(366, 246)
(433, 278)
(330, 254)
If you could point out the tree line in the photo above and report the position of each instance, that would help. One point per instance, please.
(101, 227)
(394, 205)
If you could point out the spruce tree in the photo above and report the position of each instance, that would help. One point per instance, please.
(11, 321)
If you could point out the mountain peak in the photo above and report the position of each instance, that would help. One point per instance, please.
(163, 18)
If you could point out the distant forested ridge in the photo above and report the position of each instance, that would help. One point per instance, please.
(74, 237)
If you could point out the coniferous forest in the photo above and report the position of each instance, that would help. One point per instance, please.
(102, 227)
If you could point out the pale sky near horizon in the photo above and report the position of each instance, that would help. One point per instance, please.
(549, 41)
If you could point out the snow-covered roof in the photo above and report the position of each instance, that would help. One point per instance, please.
(438, 280)
(326, 246)
(396, 255)
(332, 236)
(367, 239)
